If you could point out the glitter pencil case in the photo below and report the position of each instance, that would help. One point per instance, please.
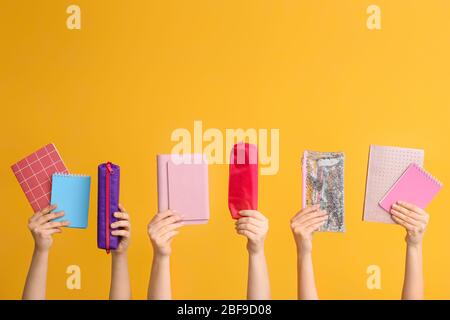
(243, 179)
(323, 183)
(108, 203)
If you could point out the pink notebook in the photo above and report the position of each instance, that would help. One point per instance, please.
(415, 186)
(183, 186)
(386, 165)
(34, 174)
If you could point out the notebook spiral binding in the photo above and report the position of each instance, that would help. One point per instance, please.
(428, 175)
(62, 174)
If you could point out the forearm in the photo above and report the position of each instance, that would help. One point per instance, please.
(35, 284)
(306, 282)
(120, 280)
(258, 286)
(413, 288)
(159, 285)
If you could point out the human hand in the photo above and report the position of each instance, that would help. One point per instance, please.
(413, 219)
(253, 225)
(304, 224)
(161, 230)
(121, 228)
(42, 228)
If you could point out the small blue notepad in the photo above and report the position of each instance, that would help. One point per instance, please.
(71, 194)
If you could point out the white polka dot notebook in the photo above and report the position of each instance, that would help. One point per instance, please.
(386, 165)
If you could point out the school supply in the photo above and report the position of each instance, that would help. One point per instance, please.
(34, 174)
(71, 194)
(183, 186)
(323, 183)
(243, 179)
(415, 186)
(386, 165)
(108, 203)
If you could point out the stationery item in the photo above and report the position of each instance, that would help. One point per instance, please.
(71, 194)
(323, 183)
(34, 174)
(183, 186)
(108, 203)
(386, 165)
(414, 186)
(243, 179)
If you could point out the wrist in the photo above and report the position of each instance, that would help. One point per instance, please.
(304, 247)
(41, 251)
(414, 246)
(118, 254)
(413, 242)
(255, 248)
(302, 251)
(161, 256)
(256, 251)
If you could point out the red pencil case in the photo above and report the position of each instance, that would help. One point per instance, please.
(243, 179)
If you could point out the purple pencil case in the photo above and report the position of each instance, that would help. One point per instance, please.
(108, 203)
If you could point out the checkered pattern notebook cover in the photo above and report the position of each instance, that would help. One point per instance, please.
(34, 174)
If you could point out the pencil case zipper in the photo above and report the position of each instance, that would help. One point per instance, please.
(109, 170)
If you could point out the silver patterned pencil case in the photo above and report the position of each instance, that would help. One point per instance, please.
(323, 183)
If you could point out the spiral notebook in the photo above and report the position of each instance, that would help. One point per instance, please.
(34, 174)
(415, 186)
(183, 186)
(70, 193)
(386, 165)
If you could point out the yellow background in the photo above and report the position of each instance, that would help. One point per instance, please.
(137, 70)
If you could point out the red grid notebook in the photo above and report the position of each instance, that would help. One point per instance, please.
(34, 174)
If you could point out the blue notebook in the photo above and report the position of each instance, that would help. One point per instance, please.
(71, 194)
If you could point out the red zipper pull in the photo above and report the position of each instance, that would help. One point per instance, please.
(108, 167)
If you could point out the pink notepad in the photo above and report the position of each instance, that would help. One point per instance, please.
(183, 186)
(34, 174)
(415, 186)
